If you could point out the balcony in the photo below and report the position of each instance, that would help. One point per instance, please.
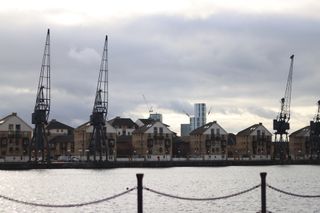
(158, 136)
(150, 143)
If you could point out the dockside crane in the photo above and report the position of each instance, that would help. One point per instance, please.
(100, 110)
(315, 134)
(39, 142)
(281, 123)
(150, 110)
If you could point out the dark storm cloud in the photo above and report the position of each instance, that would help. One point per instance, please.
(224, 60)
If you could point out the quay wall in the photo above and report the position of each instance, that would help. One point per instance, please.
(149, 164)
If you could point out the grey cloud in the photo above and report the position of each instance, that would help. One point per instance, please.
(173, 61)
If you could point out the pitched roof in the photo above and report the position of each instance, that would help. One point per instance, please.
(54, 124)
(144, 128)
(119, 122)
(203, 128)
(3, 120)
(301, 132)
(146, 121)
(86, 124)
(250, 130)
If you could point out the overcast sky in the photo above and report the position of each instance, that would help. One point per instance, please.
(231, 55)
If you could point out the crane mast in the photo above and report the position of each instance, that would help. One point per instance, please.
(315, 135)
(281, 123)
(100, 109)
(39, 143)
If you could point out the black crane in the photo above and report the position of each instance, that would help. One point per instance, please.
(39, 143)
(315, 135)
(281, 123)
(100, 110)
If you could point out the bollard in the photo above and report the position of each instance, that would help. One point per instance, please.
(139, 193)
(263, 192)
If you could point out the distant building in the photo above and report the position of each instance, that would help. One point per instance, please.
(153, 141)
(299, 143)
(209, 142)
(123, 126)
(200, 114)
(15, 136)
(185, 130)
(199, 118)
(55, 127)
(155, 117)
(82, 137)
(124, 146)
(60, 138)
(141, 122)
(253, 142)
(181, 147)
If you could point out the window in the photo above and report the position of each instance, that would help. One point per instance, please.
(161, 130)
(155, 130)
(18, 127)
(10, 127)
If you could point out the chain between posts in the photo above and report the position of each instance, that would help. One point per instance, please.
(292, 194)
(203, 199)
(67, 205)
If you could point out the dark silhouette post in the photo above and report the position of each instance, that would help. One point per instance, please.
(263, 176)
(139, 193)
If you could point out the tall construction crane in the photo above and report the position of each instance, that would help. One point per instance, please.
(315, 134)
(100, 110)
(146, 102)
(281, 124)
(39, 143)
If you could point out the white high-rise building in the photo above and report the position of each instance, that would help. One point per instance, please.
(200, 114)
(199, 118)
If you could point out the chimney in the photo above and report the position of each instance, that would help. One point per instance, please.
(14, 114)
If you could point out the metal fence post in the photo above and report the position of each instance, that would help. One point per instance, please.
(263, 192)
(140, 193)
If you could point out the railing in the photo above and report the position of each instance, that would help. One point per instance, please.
(263, 185)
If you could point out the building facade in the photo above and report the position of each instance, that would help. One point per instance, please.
(82, 139)
(61, 139)
(299, 144)
(153, 142)
(15, 136)
(123, 126)
(184, 130)
(254, 143)
(198, 119)
(209, 142)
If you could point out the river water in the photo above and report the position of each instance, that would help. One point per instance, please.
(79, 185)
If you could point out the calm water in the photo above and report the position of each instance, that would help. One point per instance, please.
(76, 186)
